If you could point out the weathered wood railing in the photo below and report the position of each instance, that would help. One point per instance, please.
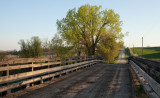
(146, 74)
(151, 67)
(24, 72)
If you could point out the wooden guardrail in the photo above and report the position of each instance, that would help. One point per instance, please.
(19, 72)
(151, 67)
(151, 87)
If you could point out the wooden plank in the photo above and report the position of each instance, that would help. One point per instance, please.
(75, 57)
(33, 65)
(27, 60)
(5, 88)
(26, 66)
(155, 85)
(8, 87)
(19, 76)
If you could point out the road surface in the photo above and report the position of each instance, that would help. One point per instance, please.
(100, 81)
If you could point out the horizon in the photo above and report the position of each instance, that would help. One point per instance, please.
(24, 19)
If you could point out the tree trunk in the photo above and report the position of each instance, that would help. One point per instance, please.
(91, 50)
(79, 53)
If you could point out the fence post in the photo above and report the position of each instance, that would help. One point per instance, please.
(32, 67)
(85, 58)
(58, 64)
(32, 71)
(67, 62)
(78, 60)
(47, 62)
(7, 72)
(27, 85)
(9, 91)
(82, 59)
(73, 61)
(41, 80)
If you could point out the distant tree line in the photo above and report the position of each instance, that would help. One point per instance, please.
(35, 47)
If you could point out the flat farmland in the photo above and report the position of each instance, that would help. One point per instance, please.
(148, 52)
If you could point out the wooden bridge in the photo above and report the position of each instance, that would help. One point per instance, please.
(77, 77)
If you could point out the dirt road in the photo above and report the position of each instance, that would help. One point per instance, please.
(100, 81)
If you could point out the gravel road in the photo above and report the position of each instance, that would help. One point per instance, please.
(100, 81)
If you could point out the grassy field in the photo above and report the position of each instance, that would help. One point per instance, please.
(148, 52)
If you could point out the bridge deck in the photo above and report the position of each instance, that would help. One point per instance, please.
(100, 81)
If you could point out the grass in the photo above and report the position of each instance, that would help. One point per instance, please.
(127, 53)
(148, 52)
(140, 92)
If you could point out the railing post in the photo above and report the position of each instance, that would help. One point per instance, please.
(82, 59)
(58, 61)
(41, 80)
(67, 62)
(9, 91)
(73, 61)
(32, 71)
(78, 60)
(7, 72)
(32, 67)
(28, 85)
(47, 62)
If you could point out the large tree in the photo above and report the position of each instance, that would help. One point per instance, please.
(87, 25)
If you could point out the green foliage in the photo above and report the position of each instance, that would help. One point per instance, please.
(148, 52)
(121, 44)
(31, 48)
(86, 27)
(57, 45)
(116, 58)
(45, 45)
(108, 47)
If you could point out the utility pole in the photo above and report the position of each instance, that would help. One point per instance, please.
(133, 48)
(142, 46)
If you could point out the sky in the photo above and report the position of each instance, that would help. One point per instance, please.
(23, 19)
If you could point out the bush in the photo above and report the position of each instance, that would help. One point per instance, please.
(108, 48)
(32, 48)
